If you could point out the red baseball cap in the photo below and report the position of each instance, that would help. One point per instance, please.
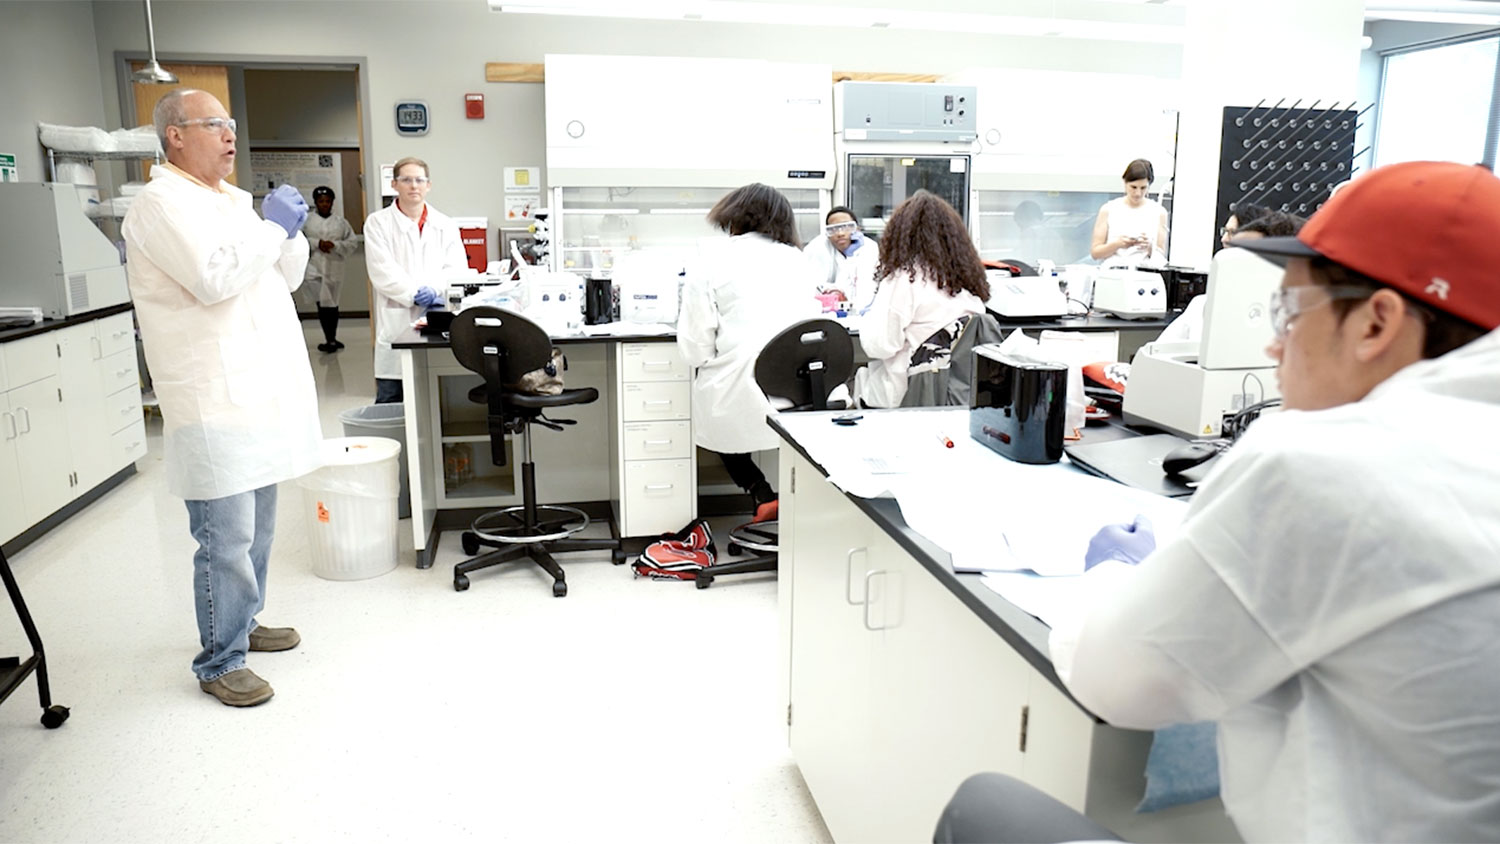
(1430, 229)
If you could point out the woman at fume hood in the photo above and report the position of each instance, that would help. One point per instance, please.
(1131, 230)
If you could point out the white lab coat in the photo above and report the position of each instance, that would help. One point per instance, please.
(1333, 601)
(400, 261)
(212, 287)
(905, 312)
(325, 270)
(853, 275)
(741, 294)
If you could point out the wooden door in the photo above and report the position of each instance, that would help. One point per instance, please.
(212, 78)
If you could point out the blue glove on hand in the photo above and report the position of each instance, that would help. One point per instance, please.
(1127, 543)
(856, 240)
(286, 208)
(425, 296)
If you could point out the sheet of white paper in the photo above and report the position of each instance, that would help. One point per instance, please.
(1058, 600)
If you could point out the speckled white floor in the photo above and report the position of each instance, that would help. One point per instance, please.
(630, 710)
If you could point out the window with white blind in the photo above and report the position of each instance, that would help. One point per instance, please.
(1436, 104)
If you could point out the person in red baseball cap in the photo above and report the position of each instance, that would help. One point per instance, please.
(1332, 598)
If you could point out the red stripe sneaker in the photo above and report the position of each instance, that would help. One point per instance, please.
(766, 512)
(670, 561)
(695, 536)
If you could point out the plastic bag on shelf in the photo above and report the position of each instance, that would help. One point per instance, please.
(75, 138)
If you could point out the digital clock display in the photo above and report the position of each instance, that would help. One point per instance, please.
(411, 118)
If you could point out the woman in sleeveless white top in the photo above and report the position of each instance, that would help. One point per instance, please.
(1131, 230)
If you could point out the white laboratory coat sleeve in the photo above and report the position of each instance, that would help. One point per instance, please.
(212, 263)
(387, 274)
(293, 261)
(882, 331)
(697, 323)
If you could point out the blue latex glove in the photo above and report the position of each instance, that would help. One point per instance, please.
(425, 296)
(856, 240)
(1127, 543)
(286, 208)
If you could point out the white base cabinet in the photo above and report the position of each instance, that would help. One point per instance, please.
(897, 691)
(70, 416)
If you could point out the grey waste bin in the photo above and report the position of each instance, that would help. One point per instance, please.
(383, 420)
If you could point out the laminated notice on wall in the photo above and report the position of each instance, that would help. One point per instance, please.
(303, 170)
(519, 207)
(523, 180)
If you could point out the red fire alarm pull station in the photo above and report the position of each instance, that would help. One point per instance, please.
(474, 106)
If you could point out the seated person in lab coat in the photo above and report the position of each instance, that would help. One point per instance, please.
(746, 290)
(411, 249)
(1188, 326)
(930, 277)
(1131, 230)
(845, 260)
(330, 240)
(1331, 597)
(212, 283)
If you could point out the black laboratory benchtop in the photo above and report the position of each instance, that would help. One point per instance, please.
(1021, 630)
(413, 339)
(1090, 322)
(47, 325)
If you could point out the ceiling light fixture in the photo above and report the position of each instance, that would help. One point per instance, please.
(153, 73)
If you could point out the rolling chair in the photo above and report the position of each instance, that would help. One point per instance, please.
(801, 365)
(502, 346)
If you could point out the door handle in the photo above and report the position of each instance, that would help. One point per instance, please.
(658, 401)
(14, 431)
(98, 348)
(870, 575)
(849, 576)
(26, 417)
(659, 486)
(656, 442)
(655, 363)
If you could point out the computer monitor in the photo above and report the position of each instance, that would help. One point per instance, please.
(1237, 311)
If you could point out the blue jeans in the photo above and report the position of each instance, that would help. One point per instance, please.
(229, 574)
(387, 390)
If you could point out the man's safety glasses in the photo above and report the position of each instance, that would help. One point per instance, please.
(216, 125)
(840, 228)
(412, 180)
(1288, 303)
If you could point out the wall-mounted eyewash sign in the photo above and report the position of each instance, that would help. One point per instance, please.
(8, 170)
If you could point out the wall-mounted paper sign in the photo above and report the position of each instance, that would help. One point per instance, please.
(387, 173)
(520, 207)
(8, 170)
(523, 180)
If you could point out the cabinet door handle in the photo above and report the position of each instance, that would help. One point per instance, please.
(121, 373)
(870, 575)
(26, 418)
(658, 401)
(14, 431)
(656, 442)
(849, 576)
(98, 348)
(658, 486)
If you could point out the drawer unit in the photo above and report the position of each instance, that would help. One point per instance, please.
(652, 362)
(657, 493)
(118, 371)
(655, 401)
(657, 440)
(116, 334)
(121, 409)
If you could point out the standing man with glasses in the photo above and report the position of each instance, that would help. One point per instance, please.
(411, 249)
(212, 285)
(1332, 598)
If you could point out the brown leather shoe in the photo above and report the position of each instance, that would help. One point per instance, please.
(273, 639)
(240, 687)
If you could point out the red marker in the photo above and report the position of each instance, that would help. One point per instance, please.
(943, 438)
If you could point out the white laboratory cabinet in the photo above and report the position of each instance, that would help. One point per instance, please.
(70, 416)
(653, 462)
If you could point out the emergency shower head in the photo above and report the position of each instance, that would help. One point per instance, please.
(153, 73)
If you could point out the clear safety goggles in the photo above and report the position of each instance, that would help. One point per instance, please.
(412, 180)
(840, 228)
(216, 125)
(1288, 303)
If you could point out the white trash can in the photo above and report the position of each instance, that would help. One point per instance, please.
(381, 420)
(351, 508)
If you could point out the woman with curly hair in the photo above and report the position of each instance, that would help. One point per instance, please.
(930, 281)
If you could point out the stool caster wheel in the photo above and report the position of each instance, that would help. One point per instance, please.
(735, 549)
(703, 581)
(559, 589)
(460, 583)
(54, 716)
(471, 543)
(618, 557)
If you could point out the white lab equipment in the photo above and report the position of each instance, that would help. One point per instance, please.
(1130, 294)
(553, 300)
(55, 259)
(1026, 296)
(649, 282)
(1189, 387)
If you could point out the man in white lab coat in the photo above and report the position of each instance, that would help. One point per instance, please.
(330, 239)
(411, 251)
(1333, 597)
(212, 286)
